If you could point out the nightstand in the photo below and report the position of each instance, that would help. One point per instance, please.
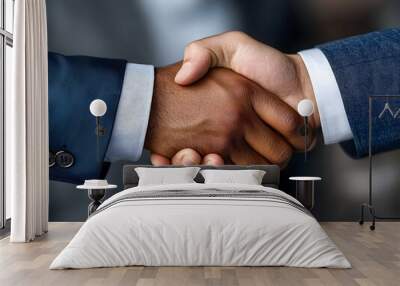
(96, 192)
(305, 190)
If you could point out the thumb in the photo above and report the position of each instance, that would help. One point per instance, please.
(201, 55)
(195, 65)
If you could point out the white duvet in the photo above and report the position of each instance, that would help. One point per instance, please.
(200, 231)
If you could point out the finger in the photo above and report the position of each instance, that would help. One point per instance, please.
(213, 159)
(186, 157)
(243, 154)
(281, 117)
(201, 55)
(194, 68)
(159, 160)
(268, 143)
(312, 144)
(311, 137)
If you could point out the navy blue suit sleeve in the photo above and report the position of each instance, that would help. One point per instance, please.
(363, 66)
(74, 81)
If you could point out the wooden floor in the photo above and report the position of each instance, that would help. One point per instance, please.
(375, 257)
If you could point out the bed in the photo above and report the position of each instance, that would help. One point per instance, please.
(197, 224)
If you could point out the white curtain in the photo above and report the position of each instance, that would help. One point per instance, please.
(27, 124)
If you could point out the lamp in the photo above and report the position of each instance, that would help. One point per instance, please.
(305, 108)
(98, 108)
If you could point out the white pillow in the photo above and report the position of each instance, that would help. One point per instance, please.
(163, 176)
(248, 177)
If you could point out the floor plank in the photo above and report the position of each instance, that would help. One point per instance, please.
(375, 257)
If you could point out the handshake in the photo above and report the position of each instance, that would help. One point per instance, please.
(232, 100)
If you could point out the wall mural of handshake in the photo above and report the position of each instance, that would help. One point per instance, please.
(241, 103)
(232, 100)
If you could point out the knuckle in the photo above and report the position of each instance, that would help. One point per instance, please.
(236, 116)
(311, 140)
(283, 155)
(292, 122)
(229, 133)
(192, 47)
(234, 107)
(236, 35)
(246, 87)
(222, 144)
(199, 51)
(244, 90)
(312, 136)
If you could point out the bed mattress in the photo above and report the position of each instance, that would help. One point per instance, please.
(201, 225)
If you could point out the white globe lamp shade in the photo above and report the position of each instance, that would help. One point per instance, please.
(98, 107)
(305, 107)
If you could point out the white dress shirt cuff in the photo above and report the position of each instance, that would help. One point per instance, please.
(334, 122)
(130, 125)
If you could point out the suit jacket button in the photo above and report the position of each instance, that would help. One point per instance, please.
(52, 159)
(64, 159)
